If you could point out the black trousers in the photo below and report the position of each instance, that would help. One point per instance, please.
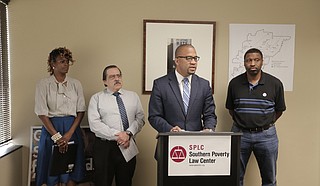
(109, 163)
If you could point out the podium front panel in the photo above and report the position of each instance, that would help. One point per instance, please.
(205, 158)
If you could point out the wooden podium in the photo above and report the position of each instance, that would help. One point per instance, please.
(198, 158)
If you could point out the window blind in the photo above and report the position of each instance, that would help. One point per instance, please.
(5, 96)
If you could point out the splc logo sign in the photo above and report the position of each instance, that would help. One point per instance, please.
(178, 154)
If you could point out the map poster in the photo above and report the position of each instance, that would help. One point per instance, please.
(88, 138)
(277, 43)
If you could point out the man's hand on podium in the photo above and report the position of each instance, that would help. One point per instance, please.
(176, 129)
(207, 130)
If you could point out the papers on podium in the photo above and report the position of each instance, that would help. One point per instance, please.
(129, 152)
(62, 163)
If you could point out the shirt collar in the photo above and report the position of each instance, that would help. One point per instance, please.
(261, 80)
(55, 80)
(180, 77)
(108, 91)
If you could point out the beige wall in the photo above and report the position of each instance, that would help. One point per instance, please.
(101, 32)
(10, 172)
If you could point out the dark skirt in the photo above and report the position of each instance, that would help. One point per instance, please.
(62, 125)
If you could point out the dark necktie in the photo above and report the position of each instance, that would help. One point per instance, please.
(186, 94)
(122, 111)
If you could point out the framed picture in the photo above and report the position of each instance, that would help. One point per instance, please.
(162, 37)
(88, 139)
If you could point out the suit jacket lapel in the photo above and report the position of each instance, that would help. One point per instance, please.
(175, 89)
(194, 91)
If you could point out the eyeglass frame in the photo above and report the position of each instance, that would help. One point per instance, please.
(190, 58)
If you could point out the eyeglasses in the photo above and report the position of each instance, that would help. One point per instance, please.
(190, 58)
(112, 77)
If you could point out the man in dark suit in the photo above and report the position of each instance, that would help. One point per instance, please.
(176, 104)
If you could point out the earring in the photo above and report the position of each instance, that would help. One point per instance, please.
(53, 68)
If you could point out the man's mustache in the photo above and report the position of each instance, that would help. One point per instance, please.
(117, 82)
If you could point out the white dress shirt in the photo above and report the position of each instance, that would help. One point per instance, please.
(104, 116)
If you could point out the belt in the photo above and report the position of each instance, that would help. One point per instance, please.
(104, 139)
(258, 129)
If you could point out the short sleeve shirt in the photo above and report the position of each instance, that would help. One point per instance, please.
(56, 99)
(255, 106)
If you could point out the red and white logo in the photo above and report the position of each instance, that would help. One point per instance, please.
(178, 154)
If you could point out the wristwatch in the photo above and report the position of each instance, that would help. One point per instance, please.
(129, 133)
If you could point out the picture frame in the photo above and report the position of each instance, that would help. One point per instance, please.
(88, 139)
(160, 39)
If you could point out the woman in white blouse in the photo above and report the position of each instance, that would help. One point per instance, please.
(60, 104)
